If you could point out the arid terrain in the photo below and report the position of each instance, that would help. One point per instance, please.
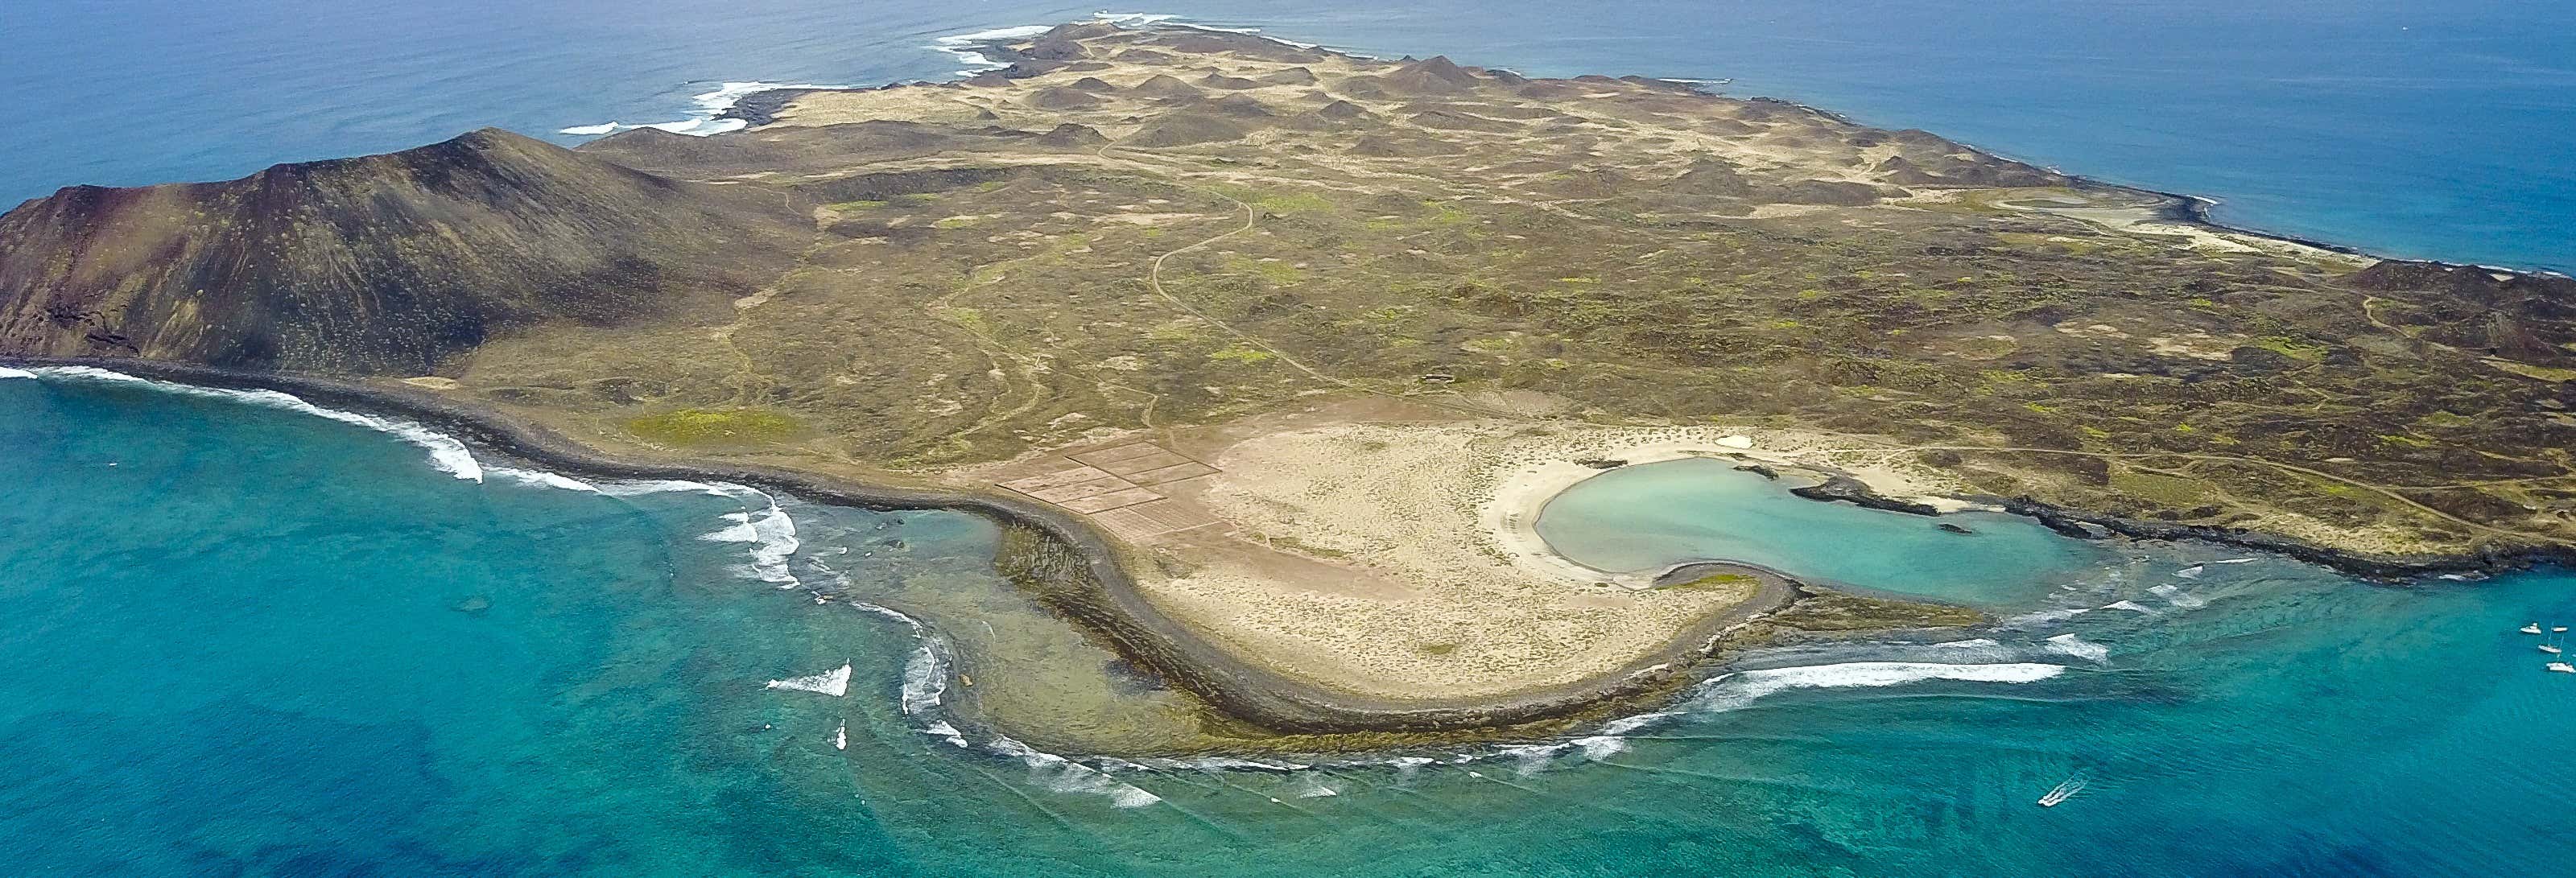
(1304, 332)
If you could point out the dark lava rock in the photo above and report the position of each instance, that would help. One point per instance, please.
(1850, 490)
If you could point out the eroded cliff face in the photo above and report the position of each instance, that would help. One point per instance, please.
(387, 263)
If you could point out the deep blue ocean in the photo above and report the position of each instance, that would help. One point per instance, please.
(246, 637)
(2405, 127)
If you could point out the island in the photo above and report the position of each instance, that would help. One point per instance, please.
(1266, 356)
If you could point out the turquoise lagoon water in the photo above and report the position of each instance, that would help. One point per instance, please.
(1653, 515)
(268, 643)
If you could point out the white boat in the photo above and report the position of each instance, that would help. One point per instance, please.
(2560, 629)
(2533, 628)
(2562, 667)
(2552, 650)
(2062, 791)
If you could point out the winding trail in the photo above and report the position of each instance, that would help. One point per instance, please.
(1251, 218)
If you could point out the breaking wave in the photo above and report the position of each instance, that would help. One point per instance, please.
(834, 682)
(957, 46)
(445, 453)
(2071, 645)
(925, 677)
(706, 107)
(769, 530)
(1062, 775)
(1732, 691)
(536, 478)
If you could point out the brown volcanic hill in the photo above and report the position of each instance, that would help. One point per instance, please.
(1164, 85)
(1291, 76)
(1711, 176)
(1435, 75)
(386, 263)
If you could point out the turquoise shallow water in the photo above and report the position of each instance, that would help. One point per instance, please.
(1650, 516)
(254, 645)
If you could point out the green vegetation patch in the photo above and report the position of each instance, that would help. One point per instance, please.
(2171, 491)
(1272, 270)
(2296, 349)
(1714, 581)
(1240, 354)
(1281, 202)
(730, 426)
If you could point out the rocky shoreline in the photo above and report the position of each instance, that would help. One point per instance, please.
(2083, 525)
(2377, 568)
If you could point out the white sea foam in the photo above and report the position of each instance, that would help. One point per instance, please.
(1062, 775)
(2179, 598)
(640, 488)
(2235, 561)
(2191, 572)
(6, 372)
(1313, 787)
(941, 729)
(541, 479)
(1133, 18)
(1735, 690)
(2069, 644)
(445, 453)
(925, 678)
(769, 530)
(706, 107)
(1529, 760)
(1979, 643)
(1625, 725)
(976, 62)
(95, 373)
(1601, 746)
(917, 629)
(2131, 606)
(834, 682)
(2043, 617)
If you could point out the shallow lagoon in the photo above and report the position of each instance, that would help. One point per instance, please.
(1652, 515)
(250, 648)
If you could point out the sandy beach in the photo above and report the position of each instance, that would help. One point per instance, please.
(1400, 559)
